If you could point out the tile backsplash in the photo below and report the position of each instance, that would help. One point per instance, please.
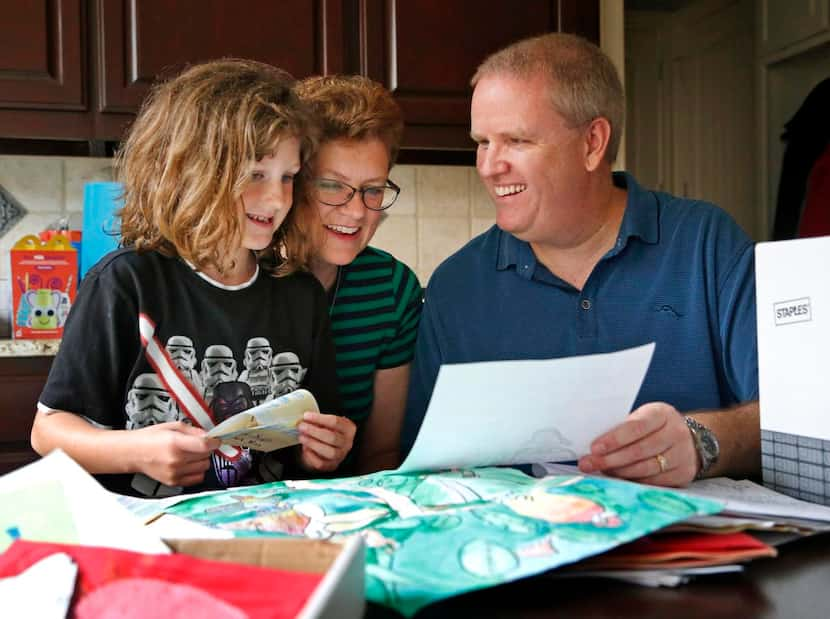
(10, 211)
(48, 188)
(440, 208)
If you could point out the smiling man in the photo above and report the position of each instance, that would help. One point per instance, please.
(584, 261)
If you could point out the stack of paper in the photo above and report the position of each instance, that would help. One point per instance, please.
(681, 550)
(754, 520)
(761, 508)
(670, 559)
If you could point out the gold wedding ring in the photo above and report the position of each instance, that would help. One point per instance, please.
(662, 462)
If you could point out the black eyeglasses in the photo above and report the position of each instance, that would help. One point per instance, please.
(337, 193)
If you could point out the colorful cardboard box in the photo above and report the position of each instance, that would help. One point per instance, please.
(340, 595)
(44, 282)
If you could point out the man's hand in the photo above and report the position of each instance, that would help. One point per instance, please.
(325, 440)
(653, 446)
(174, 453)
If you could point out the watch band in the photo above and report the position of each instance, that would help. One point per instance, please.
(706, 444)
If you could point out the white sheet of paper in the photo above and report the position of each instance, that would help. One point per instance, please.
(650, 578)
(44, 590)
(746, 498)
(517, 412)
(99, 518)
(168, 526)
(147, 510)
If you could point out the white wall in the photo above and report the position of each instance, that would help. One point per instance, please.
(692, 104)
(612, 42)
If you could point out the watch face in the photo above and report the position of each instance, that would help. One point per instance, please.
(709, 444)
(705, 442)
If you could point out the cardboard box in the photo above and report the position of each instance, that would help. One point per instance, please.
(792, 296)
(44, 280)
(54, 500)
(341, 593)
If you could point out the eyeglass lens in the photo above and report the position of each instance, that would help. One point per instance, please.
(336, 193)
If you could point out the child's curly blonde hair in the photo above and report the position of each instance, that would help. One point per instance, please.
(185, 163)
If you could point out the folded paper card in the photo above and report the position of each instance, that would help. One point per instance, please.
(268, 426)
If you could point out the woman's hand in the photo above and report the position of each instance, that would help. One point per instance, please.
(325, 440)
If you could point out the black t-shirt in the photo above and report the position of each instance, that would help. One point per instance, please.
(261, 339)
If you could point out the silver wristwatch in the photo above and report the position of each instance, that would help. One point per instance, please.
(706, 444)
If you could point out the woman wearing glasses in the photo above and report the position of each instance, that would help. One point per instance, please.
(374, 299)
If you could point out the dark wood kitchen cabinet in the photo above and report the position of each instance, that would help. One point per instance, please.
(426, 51)
(79, 69)
(139, 41)
(22, 379)
(43, 69)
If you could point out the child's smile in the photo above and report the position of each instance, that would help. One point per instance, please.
(268, 195)
(260, 219)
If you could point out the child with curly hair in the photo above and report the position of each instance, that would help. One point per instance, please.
(208, 292)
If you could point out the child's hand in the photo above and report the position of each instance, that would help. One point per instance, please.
(326, 439)
(174, 453)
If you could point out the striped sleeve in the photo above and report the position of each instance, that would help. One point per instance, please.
(409, 296)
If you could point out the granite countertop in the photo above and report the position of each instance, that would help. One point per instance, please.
(28, 348)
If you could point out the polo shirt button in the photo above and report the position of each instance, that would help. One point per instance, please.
(586, 304)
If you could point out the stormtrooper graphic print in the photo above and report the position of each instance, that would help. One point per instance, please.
(227, 391)
(235, 346)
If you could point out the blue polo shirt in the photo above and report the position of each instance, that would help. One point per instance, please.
(681, 274)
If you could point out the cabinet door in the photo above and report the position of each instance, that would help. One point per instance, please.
(141, 40)
(426, 51)
(22, 379)
(41, 67)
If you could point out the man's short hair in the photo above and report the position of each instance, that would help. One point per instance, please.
(584, 82)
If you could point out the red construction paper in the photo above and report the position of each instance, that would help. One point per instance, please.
(682, 549)
(259, 593)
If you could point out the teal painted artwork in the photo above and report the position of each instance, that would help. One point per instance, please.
(432, 536)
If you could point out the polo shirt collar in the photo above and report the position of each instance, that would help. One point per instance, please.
(641, 213)
(640, 220)
(513, 252)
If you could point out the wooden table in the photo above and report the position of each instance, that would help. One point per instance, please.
(794, 585)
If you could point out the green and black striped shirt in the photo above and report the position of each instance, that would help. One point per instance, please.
(375, 308)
